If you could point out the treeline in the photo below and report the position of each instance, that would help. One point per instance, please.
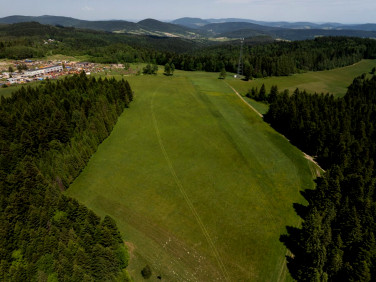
(47, 135)
(261, 58)
(285, 58)
(27, 40)
(261, 95)
(337, 239)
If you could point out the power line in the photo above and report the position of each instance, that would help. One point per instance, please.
(240, 64)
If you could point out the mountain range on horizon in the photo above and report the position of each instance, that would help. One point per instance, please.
(194, 28)
(198, 22)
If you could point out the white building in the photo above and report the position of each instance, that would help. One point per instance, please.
(44, 70)
(12, 80)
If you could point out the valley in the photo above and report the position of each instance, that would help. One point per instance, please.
(202, 187)
(195, 149)
(196, 28)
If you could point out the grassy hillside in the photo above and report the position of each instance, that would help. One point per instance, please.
(333, 81)
(199, 183)
(154, 25)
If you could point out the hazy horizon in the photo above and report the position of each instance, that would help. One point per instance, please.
(172, 19)
(316, 11)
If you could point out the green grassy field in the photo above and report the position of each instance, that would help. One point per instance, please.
(7, 92)
(332, 81)
(201, 188)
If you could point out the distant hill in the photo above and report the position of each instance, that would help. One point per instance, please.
(233, 20)
(71, 22)
(145, 27)
(368, 27)
(152, 25)
(246, 33)
(302, 34)
(197, 22)
(247, 30)
(76, 39)
(297, 34)
(194, 28)
(219, 28)
(17, 19)
(191, 22)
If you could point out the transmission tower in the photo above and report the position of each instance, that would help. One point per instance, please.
(240, 64)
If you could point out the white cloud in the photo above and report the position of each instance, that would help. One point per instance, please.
(87, 9)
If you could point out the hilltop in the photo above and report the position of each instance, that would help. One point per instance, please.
(144, 27)
(193, 28)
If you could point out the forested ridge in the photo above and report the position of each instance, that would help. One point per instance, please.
(336, 241)
(26, 40)
(261, 57)
(285, 58)
(48, 134)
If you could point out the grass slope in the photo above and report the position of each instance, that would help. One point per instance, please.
(333, 81)
(199, 185)
(8, 91)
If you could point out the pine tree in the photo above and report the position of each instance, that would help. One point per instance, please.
(222, 74)
(247, 71)
(272, 97)
(262, 94)
(167, 69)
(172, 68)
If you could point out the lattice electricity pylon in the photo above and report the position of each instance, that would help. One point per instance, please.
(240, 64)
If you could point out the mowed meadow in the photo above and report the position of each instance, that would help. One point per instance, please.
(200, 187)
(333, 81)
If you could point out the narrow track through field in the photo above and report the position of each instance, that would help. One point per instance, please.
(184, 193)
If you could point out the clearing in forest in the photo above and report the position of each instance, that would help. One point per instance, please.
(333, 81)
(199, 185)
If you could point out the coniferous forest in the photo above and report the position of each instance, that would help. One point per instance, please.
(285, 58)
(261, 58)
(48, 134)
(336, 241)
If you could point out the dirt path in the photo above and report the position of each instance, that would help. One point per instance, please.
(308, 157)
(240, 96)
(319, 170)
(316, 173)
(283, 268)
(185, 195)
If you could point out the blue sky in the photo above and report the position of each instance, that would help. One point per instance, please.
(345, 11)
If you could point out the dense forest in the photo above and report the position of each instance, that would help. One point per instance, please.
(285, 58)
(261, 57)
(47, 135)
(336, 241)
(26, 40)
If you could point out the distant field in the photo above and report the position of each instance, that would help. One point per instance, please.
(201, 188)
(7, 92)
(332, 81)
